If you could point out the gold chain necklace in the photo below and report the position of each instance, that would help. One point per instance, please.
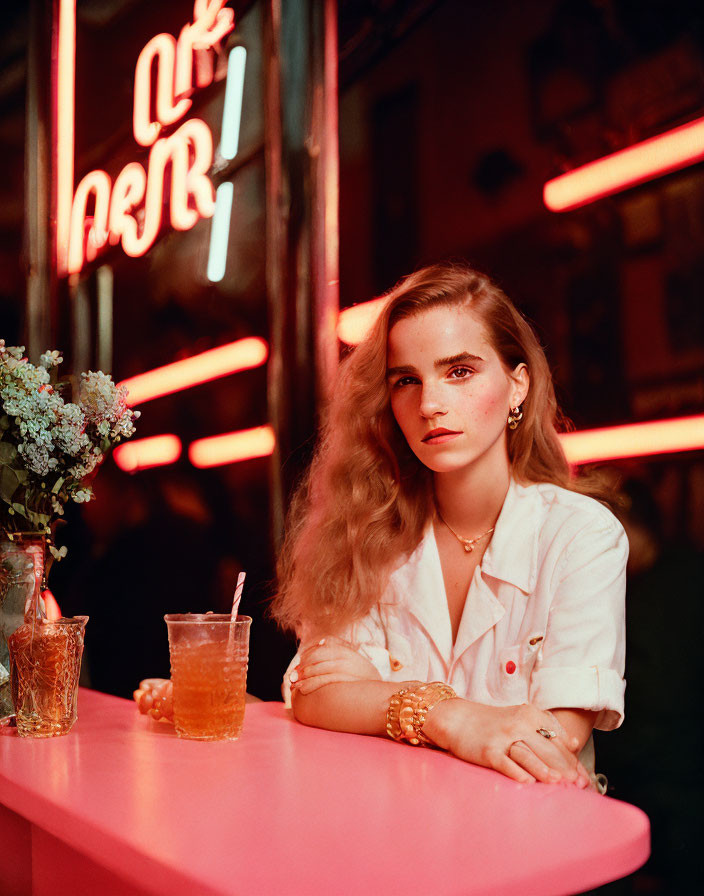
(467, 543)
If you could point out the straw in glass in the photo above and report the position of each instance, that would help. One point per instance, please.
(235, 606)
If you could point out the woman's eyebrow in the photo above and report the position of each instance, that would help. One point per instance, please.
(461, 358)
(393, 371)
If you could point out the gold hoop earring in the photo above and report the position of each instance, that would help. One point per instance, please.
(515, 417)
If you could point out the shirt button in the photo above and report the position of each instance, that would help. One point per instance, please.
(510, 667)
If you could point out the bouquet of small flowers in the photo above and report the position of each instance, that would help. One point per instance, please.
(50, 449)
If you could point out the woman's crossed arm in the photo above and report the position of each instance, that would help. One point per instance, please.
(334, 687)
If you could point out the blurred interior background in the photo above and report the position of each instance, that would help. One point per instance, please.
(452, 116)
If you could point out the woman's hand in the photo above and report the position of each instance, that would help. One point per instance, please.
(506, 739)
(329, 661)
(155, 697)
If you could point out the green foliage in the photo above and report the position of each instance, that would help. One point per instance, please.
(51, 449)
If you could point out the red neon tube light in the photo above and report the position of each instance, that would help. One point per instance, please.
(210, 365)
(232, 447)
(634, 440)
(142, 454)
(65, 114)
(354, 323)
(639, 163)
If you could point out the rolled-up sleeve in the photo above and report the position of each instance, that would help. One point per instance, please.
(582, 662)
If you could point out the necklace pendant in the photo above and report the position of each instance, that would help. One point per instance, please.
(468, 547)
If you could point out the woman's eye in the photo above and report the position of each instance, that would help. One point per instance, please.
(460, 373)
(405, 381)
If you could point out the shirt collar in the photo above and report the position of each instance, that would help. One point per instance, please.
(510, 557)
(512, 554)
(416, 584)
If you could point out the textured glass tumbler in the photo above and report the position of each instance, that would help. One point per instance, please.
(209, 657)
(45, 665)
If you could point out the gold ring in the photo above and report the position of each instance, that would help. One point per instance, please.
(546, 733)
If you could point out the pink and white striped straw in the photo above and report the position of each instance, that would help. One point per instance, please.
(238, 596)
(235, 607)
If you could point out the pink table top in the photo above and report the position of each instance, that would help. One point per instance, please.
(295, 810)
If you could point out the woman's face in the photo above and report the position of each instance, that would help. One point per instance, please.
(450, 392)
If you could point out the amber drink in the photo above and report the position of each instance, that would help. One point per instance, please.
(45, 665)
(209, 655)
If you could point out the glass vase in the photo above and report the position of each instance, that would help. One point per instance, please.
(21, 581)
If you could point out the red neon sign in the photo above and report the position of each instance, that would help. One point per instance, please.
(634, 440)
(209, 365)
(232, 447)
(627, 168)
(130, 210)
(155, 451)
(355, 323)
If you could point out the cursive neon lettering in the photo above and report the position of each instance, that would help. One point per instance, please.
(132, 214)
(127, 194)
(130, 210)
(161, 48)
(96, 183)
(188, 177)
(174, 63)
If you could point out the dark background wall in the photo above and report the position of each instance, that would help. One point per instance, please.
(453, 114)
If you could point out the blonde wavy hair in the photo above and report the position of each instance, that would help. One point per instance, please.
(366, 498)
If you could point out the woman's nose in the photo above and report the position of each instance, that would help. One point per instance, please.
(431, 403)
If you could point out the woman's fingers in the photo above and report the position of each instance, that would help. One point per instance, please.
(148, 684)
(163, 707)
(322, 668)
(558, 751)
(545, 765)
(330, 649)
(308, 685)
(144, 700)
(328, 660)
(554, 754)
(513, 770)
(309, 678)
(506, 739)
(154, 697)
(548, 759)
(522, 755)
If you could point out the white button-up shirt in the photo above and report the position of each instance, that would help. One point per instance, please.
(544, 617)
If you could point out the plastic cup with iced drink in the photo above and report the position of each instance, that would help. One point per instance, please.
(209, 655)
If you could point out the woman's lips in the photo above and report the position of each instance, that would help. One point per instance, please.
(437, 437)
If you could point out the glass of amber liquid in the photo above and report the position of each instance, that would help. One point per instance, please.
(45, 665)
(209, 655)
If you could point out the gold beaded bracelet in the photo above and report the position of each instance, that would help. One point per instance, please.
(409, 708)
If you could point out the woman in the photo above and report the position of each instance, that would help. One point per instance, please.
(448, 580)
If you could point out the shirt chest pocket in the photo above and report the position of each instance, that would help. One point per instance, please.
(510, 678)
